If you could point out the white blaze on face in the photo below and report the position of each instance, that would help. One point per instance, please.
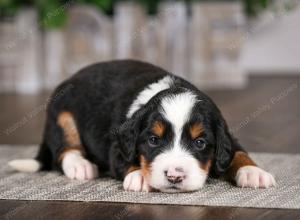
(177, 109)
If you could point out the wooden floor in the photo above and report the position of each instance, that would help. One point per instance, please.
(265, 117)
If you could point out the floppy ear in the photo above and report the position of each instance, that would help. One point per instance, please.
(123, 151)
(224, 147)
(127, 135)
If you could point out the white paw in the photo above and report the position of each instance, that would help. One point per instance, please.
(135, 181)
(254, 177)
(76, 167)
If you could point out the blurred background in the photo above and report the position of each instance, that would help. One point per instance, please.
(215, 44)
(245, 54)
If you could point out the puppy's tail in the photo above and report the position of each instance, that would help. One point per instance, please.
(42, 161)
(26, 165)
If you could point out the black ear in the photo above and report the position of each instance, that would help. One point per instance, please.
(224, 147)
(127, 135)
(123, 151)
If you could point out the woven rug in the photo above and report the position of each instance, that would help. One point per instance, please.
(54, 186)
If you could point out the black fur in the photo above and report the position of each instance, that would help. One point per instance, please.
(99, 97)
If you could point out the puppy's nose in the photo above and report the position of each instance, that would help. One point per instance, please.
(175, 174)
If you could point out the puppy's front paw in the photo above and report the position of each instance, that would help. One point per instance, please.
(134, 181)
(254, 177)
(76, 167)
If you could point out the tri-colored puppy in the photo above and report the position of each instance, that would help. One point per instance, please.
(142, 125)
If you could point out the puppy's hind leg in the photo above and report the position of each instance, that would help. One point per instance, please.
(72, 156)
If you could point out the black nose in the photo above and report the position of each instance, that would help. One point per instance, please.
(175, 179)
(175, 176)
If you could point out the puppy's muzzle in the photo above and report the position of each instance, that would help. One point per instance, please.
(175, 175)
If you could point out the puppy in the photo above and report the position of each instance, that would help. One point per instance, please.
(142, 125)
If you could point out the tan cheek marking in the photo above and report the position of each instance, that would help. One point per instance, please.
(67, 123)
(206, 166)
(240, 159)
(158, 128)
(196, 130)
(145, 166)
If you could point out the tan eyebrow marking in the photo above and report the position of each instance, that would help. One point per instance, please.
(158, 128)
(196, 130)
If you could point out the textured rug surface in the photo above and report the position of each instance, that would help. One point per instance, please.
(54, 186)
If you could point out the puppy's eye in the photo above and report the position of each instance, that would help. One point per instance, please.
(153, 141)
(200, 143)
